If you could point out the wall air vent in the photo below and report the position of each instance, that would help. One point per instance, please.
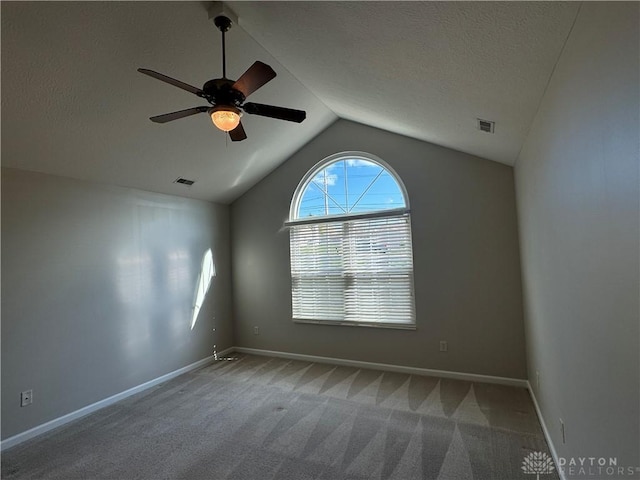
(486, 125)
(184, 181)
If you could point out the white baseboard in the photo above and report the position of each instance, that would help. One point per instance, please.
(552, 448)
(472, 377)
(57, 422)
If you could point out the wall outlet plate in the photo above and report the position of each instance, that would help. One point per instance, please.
(26, 398)
(443, 346)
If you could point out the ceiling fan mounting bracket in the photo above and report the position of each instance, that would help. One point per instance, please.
(223, 23)
(217, 9)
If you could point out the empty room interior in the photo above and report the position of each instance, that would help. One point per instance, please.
(320, 240)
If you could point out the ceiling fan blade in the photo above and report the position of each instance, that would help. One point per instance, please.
(238, 134)
(280, 113)
(168, 117)
(255, 77)
(171, 81)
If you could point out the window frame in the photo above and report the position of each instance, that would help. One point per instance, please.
(294, 221)
(351, 155)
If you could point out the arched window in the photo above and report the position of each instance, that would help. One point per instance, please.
(351, 256)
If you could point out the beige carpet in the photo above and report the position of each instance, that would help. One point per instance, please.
(262, 418)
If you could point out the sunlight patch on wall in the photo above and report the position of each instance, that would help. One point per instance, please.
(207, 272)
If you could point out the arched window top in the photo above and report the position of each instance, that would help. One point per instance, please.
(348, 183)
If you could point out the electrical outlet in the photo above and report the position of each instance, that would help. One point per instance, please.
(537, 380)
(443, 346)
(26, 398)
(564, 438)
(256, 330)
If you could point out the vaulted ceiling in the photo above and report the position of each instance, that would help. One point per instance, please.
(74, 105)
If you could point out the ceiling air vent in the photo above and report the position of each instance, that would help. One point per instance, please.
(184, 181)
(486, 125)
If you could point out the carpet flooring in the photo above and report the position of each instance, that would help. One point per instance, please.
(260, 418)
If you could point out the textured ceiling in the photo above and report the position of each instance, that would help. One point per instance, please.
(74, 105)
(422, 69)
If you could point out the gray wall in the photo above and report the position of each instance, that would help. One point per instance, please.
(467, 273)
(577, 192)
(98, 287)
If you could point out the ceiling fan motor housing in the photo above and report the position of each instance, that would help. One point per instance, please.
(220, 91)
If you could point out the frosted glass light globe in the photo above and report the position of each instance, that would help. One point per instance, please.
(225, 118)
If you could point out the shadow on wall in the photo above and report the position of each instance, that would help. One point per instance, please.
(207, 272)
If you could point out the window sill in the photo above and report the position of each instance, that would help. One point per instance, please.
(395, 326)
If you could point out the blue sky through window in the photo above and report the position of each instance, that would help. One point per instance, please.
(349, 186)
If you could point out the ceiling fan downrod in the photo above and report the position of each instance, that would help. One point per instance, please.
(224, 24)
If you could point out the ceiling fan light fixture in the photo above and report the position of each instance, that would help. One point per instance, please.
(225, 117)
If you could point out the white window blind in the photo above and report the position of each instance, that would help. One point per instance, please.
(354, 270)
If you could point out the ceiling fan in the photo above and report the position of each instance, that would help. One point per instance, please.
(227, 97)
